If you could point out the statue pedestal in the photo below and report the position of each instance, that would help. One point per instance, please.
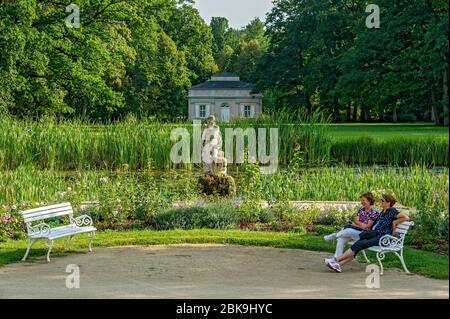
(217, 185)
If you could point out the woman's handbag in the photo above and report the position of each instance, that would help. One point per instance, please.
(368, 234)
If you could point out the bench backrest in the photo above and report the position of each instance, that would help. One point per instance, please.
(46, 212)
(403, 228)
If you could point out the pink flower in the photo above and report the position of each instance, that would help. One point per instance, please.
(6, 218)
(238, 205)
(436, 196)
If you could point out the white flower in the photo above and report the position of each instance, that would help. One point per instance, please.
(69, 189)
(14, 207)
(104, 179)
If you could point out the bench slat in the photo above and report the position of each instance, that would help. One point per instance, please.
(40, 217)
(35, 210)
(50, 211)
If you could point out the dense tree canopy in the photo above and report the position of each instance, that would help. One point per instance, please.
(128, 56)
(141, 56)
(322, 54)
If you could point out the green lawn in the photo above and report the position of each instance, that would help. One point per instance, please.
(421, 262)
(388, 130)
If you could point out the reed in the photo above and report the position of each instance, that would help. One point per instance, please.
(73, 145)
(413, 186)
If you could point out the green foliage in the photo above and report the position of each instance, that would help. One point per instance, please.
(128, 56)
(239, 51)
(334, 218)
(398, 72)
(217, 185)
(213, 216)
(431, 222)
(11, 223)
(325, 230)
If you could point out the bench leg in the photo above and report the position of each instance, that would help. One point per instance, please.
(30, 243)
(380, 257)
(69, 243)
(50, 246)
(365, 257)
(400, 256)
(91, 236)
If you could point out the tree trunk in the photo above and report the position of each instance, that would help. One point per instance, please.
(349, 112)
(381, 113)
(434, 109)
(355, 112)
(336, 116)
(367, 113)
(394, 114)
(362, 116)
(445, 97)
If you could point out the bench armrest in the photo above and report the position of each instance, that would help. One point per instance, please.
(83, 220)
(41, 229)
(390, 241)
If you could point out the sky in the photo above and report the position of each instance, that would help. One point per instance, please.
(238, 12)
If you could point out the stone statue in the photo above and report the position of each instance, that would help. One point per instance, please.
(213, 158)
(214, 180)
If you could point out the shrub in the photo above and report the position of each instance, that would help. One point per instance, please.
(334, 217)
(11, 223)
(304, 217)
(250, 212)
(299, 230)
(429, 247)
(217, 185)
(325, 230)
(216, 216)
(147, 202)
(431, 224)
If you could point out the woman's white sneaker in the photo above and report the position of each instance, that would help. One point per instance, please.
(330, 237)
(333, 265)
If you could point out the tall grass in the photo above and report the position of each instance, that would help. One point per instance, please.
(413, 186)
(73, 145)
(431, 151)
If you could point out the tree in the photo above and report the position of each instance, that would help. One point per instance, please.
(320, 52)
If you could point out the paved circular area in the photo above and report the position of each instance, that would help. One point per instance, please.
(206, 271)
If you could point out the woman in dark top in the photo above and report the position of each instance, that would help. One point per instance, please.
(384, 225)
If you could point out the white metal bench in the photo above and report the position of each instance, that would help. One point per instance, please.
(391, 244)
(78, 225)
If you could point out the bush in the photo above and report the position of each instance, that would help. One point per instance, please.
(250, 212)
(429, 247)
(11, 223)
(304, 217)
(430, 224)
(325, 230)
(218, 185)
(147, 203)
(334, 217)
(216, 216)
(299, 230)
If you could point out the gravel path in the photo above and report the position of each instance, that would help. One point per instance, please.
(206, 271)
